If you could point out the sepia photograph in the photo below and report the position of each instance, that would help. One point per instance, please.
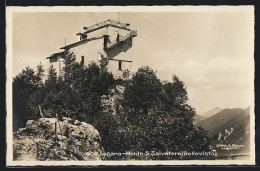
(133, 85)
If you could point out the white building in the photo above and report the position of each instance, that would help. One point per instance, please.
(110, 39)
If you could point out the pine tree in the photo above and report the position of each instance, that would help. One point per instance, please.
(40, 73)
(70, 58)
(52, 75)
(159, 117)
(143, 91)
(24, 84)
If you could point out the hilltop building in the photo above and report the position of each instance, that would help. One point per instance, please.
(109, 39)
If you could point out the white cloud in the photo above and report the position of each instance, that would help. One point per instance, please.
(217, 72)
(219, 81)
(209, 51)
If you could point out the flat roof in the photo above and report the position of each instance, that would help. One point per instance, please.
(83, 41)
(106, 23)
(55, 54)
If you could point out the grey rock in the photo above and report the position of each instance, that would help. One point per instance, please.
(71, 142)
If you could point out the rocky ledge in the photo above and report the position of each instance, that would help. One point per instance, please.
(50, 139)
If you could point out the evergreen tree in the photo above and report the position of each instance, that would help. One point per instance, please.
(166, 124)
(51, 76)
(143, 91)
(70, 58)
(150, 115)
(40, 73)
(24, 84)
(103, 64)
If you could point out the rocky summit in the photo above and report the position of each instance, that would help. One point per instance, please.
(50, 139)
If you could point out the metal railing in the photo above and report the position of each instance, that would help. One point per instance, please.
(104, 23)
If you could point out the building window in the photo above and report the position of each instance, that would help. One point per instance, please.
(105, 41)
(117, 38)
(82, 60)
(120, 65)
(83, 36)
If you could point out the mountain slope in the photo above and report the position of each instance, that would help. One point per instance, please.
(219, 121)
(211, 112)
(229, 131)
(239, 126)
(237, 135)
(198, 118)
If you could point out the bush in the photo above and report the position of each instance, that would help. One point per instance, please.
(149, 115)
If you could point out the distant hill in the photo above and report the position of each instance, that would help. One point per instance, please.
(211, 112)
(198, 118)
(228, 127)
(219, 121)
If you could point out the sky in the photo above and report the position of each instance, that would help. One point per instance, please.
(211, 52)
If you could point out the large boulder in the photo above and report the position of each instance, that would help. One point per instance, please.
(110, 103)
(47, 139)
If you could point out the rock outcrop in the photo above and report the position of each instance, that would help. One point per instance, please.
(110, 102)
(47, 139)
